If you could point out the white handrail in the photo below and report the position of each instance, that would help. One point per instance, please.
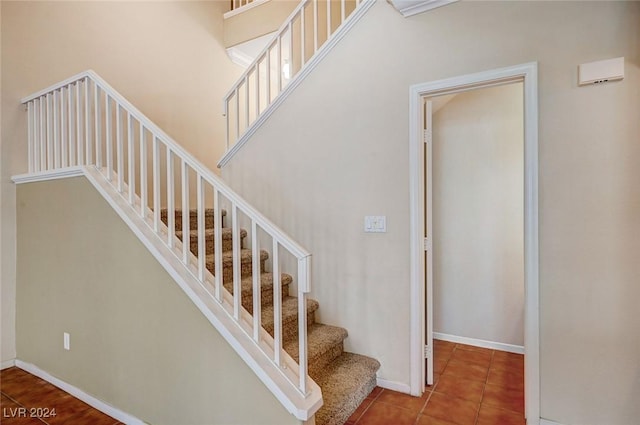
(288, 64)
(85, 114)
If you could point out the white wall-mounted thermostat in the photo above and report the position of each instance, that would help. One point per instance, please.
(601, 71)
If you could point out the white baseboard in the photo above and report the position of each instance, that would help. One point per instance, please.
(518, 349)
(394, 386)
(79, 394)
(7, 364)
(548, 422)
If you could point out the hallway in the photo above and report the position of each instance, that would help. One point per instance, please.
(472, 386)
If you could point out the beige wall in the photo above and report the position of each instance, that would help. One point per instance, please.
(137, 341)
(478, 283)
(167, 58)
(7, 298)
(253, 23)
(337, 150)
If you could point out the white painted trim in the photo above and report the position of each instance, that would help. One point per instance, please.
(296, 404)
(7, 364)
(238, 57)
(501, 346)
(271, 376)
(393, 385)
(548, 422)
(42, 176)
(413, 8)
(100, 405)
(234, 12)
(528, 72)
(298, 78)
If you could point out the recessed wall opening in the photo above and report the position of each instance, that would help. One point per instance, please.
(476, 236)
(474, 242)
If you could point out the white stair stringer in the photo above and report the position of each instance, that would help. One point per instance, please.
(220, 315)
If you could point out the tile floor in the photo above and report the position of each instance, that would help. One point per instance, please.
(29, 400)
(472, 386)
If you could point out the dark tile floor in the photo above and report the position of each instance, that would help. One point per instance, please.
(29, 400)
(472, 386)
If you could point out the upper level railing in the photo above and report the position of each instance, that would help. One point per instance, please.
(236, 4)
(84, 122)
(309, 27)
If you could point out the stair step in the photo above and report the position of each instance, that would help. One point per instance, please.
(324, 344)
(266, 286)
(193, 218)
(227, 239)
(227, 263)
(289, 317)
(345, 383)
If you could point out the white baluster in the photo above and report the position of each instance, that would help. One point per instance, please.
(290, 51)
(63, 136)
(119, 149)
(201, 228)
(43, 136)
(255, 272)
(37, 136)
(237, 264)
(302, 38)
(87, 123)
(131, 162)
(156, 184)
(72, 138)
(108, 140)
(315, 25)
(246, 100)
(186, 214)
(78, 121)
(279, 64)
(56, 140)
(98, 125)
(277, 304)
(268, 77)
(171, 199)
(237, 113)
(144, 196)
(30, 137)
(304, 271)
(49, 135)
(328, 19)
(217, 244)
(257, 89)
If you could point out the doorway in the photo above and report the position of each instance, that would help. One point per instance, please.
(421, 229)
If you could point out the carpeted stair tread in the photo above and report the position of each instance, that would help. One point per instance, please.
(289, 317)
(193, 217)
(266, 288)
(227, 233)
(227, 257)
(209, 238)
(345, 383)
(320, 339)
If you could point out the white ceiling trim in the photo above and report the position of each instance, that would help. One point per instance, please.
(413, 7)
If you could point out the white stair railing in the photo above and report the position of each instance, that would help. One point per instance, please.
(84, 122)
(309, 27)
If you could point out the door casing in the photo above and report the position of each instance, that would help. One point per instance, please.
(528, 74)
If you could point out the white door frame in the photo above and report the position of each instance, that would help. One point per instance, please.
(528, 73)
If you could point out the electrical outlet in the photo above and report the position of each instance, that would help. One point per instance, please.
(67, 341)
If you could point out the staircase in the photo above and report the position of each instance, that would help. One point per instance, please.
(225, 255)
(345, 378)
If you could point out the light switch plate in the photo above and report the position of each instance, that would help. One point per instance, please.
(375, 223)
